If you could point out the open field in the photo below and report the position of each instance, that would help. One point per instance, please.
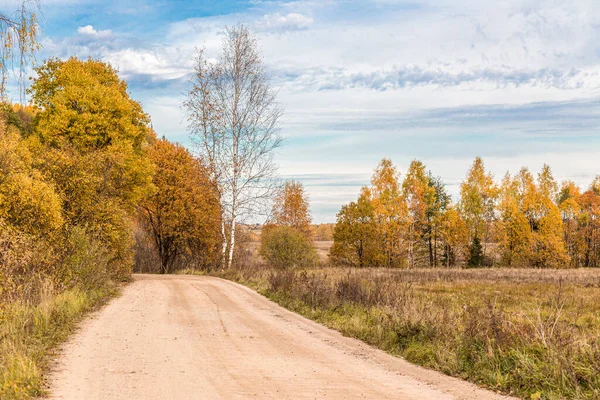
(322, 248)
(531, 333)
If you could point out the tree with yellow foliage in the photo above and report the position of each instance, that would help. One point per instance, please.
(390, 214)
(531, 230)
(454, 234)
(27, 201)
(420, 197)
(323, 232)
(547, 185)
(90, 138)
(551, 251)
(515, 239)
(291, 208)
(478, 194)
(86, 105)
(568, 204)
(355, 240)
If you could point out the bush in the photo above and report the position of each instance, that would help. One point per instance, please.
(85, 264)
(286, 247)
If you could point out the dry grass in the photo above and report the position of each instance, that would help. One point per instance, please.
(30, 330)
(323, 248)
(532, 333)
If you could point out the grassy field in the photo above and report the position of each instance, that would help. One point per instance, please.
(531, 333)
(30, 333)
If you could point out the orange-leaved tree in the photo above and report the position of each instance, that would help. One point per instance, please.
(589, 225)
(182, 214)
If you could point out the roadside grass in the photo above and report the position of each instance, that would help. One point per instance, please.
(530, 333)
(30, 332)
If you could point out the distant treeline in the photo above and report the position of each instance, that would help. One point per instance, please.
(522, 221)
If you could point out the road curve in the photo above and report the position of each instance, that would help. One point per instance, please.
(189, 337)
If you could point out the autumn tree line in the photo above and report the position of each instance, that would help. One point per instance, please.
(88, 189)
(526, 220)
(80, 168)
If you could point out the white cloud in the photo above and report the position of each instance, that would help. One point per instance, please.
(160, 63)
(365, 80)
(291, 21)
(89, 30)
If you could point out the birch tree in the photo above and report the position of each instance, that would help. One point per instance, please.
(19, 33)
(391, 214)
(233, 117)
(419, 195)
(478, 195)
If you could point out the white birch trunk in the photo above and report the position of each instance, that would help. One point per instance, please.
(224, 246)
(231, 244)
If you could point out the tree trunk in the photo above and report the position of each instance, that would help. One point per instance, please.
(435, 250)
(231, 244)
(224, 246)
(430, 251)
(163, 255)
(360, 255)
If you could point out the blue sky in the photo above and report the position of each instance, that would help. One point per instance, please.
(516, 82)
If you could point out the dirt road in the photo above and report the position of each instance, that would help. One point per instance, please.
(184, 337)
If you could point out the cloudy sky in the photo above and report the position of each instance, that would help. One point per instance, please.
(516, 82)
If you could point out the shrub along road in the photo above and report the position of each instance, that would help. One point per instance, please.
(193, 337)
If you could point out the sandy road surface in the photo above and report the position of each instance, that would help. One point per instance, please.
(184, 337)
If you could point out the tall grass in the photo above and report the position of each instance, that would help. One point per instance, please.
(531, 333)
(28, 332)
(44, 291)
